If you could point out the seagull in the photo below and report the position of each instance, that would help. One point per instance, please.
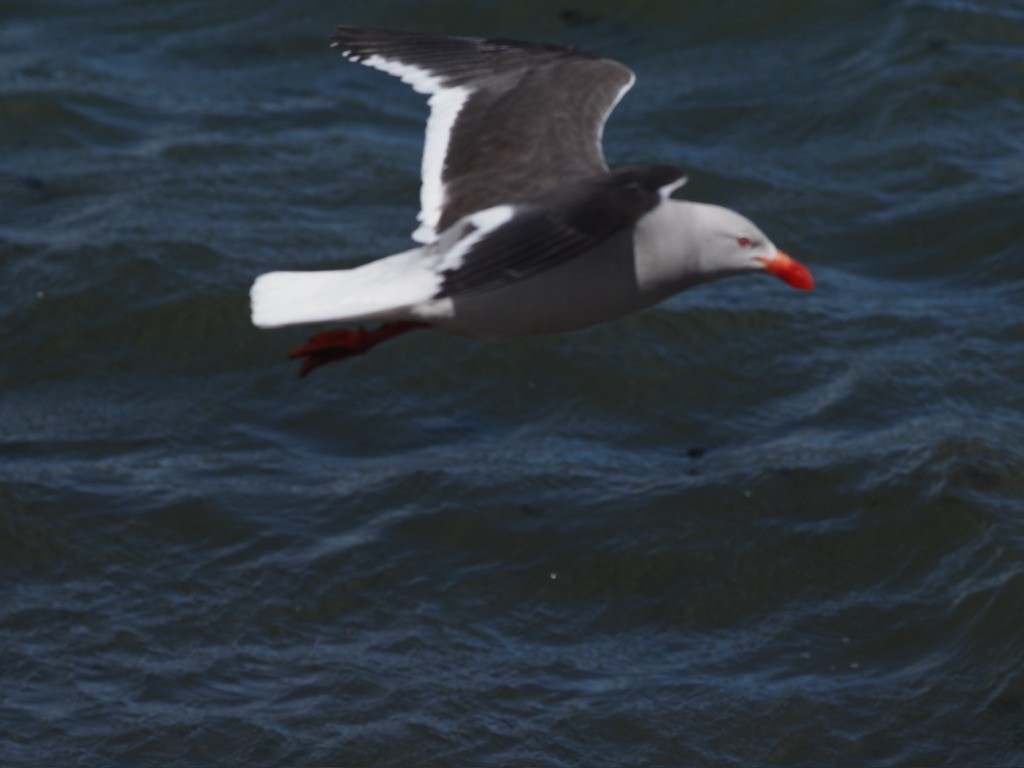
(523, 228)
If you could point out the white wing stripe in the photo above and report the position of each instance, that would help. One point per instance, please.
(445, 105)
(485, 221)
(420, 79)
(611, 108)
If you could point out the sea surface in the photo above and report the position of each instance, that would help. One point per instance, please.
(751, 526)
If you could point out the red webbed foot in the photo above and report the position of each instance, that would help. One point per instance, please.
(340, 343)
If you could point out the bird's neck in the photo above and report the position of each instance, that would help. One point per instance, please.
(667, 243)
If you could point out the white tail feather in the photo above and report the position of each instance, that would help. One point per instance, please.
(382, 289)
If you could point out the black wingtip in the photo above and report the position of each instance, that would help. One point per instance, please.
(350, 37)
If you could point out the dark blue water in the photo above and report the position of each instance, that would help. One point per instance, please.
(750, 526)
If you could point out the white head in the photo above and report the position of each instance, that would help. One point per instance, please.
(730, 244)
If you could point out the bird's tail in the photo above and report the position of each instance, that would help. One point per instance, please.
(383, 289)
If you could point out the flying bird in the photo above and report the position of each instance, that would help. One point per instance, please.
(523, 228)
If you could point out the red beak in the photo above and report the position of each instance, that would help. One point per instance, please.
(789, 269)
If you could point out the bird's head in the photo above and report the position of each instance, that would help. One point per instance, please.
(732, 244)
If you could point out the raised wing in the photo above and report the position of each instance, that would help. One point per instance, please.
(508, 120)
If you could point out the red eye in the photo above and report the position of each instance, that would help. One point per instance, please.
(743, 242)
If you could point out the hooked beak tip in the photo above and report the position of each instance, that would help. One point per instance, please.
(788, 269)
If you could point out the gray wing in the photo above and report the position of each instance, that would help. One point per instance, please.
(508, 120)
(565, 223)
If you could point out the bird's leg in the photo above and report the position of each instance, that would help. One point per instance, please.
(339, 343)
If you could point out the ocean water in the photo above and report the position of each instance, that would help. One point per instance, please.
(751, 526)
